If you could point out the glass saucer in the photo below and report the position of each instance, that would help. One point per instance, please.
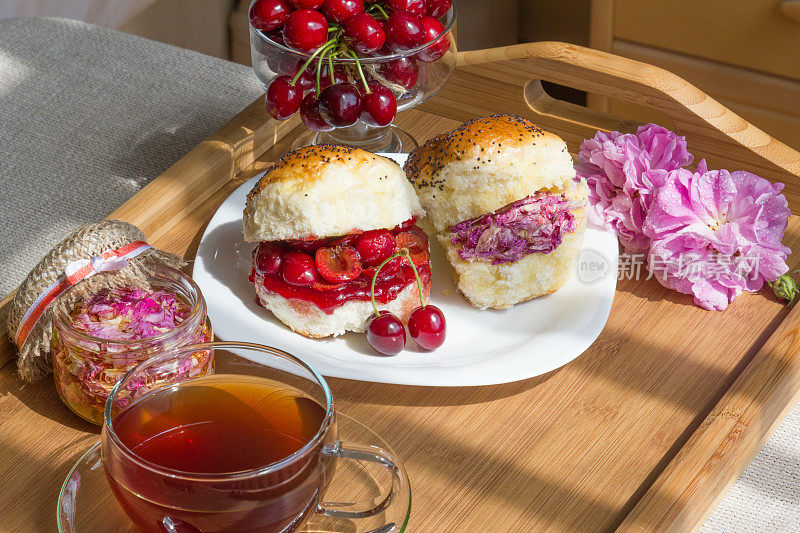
(86, 504)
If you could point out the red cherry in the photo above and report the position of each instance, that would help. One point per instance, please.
(308, 246)
(340, 104)
(416, 242)
(436, 49)
(283, 99)
(268, 258)
(403, 31)
(308, 78)
(281, 63)
(298, 268)
(341, 10)
(386, 334)
(364, 33)
(309, 112)
(276, 36)
(375, 245)
(305, 30)
(383, 50)
(268, 15)
(427, 325)
(346, 240)
(339, 75)
(306, 4)
(415, 7)
(437, 8)
(380, 105)
(402, 71)
(338, 264)
(405, 226)
(387, 271)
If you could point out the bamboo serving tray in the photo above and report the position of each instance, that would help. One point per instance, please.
(643, 432)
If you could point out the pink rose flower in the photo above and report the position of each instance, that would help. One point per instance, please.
(622, 172)
(715, 234)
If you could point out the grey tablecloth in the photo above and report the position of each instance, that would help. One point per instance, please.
(88, 116)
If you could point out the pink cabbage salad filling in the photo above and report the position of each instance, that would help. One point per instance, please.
(130, 314)
(535, 224)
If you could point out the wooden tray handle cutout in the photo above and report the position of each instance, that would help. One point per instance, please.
(713, 131)
(547, 109)
(791, 8)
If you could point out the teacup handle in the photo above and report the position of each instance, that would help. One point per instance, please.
(373, 454)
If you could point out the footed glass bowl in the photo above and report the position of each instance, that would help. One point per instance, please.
(413, 76)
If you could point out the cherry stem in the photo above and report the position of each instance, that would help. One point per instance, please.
(319, 64)
(318, 51)
(330, 67)
(360, 72)
(376, 7)
(405, 252)
(375, 278)
(402, 253)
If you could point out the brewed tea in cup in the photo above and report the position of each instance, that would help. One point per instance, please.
(251, 447)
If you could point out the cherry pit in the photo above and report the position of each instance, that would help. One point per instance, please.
(329, 95)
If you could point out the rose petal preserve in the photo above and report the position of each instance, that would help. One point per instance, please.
(106, 334)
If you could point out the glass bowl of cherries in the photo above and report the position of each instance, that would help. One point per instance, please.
(348, 66)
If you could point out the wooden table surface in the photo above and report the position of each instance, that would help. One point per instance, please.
(644, 431)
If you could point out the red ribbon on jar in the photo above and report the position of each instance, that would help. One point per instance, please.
(75, 272)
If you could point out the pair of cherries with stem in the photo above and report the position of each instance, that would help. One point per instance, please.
(426, 323)
(332, 101)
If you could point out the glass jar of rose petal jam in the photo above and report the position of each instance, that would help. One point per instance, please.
(103, 336)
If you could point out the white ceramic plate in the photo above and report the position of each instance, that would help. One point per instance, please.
(482, 347)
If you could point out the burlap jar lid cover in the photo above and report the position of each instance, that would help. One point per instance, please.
(95, 257)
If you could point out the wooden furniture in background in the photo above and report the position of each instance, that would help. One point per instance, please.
(199, 25)
(480, 25)
(550, 20)
(642, 432)
(239, 29)
(743, 53)
(791, 8)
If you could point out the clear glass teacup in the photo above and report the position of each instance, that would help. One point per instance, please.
(251, 447)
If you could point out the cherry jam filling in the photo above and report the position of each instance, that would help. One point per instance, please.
(330, 272)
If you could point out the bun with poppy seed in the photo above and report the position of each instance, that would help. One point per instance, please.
(501, 196)
(328, 190)
(324, 218)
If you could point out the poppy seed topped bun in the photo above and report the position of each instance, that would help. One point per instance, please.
(491, 164)
(485, 164)
(327, 191)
